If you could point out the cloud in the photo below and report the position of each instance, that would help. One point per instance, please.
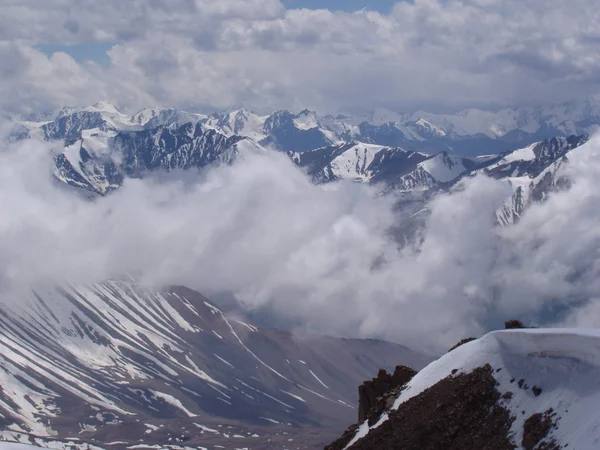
(426, 53)
(321, 257)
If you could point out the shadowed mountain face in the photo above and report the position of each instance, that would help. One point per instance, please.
(119, 363)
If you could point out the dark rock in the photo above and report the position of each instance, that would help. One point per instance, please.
(463, 342)
(459, 412)
(535, 429)
(343, 441)
(375, 396)
(513, 325)
(536, 390)
(372, 394)
(521, 383)
(507, 395)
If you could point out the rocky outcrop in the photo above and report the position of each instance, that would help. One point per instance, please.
(462, 342)
(373, 395)
(460, 412)
(536, 429)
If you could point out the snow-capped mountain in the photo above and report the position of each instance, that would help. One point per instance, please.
(398, 169)
(512, 389)
(98, 146)
(434, 172)
(70, 123)
(533, 172)
(116, 365)
(100, 159)
(356, 162)
(467, 133)
(242, 122)
(152, 118)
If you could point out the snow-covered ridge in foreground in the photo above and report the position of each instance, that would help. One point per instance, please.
(563, 363)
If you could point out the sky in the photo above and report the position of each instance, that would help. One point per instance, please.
(383, 6)
(330, 56)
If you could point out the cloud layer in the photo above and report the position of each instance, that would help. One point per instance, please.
(195, 54)
(320, 256)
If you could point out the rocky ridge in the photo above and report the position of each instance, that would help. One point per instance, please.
(483, 404)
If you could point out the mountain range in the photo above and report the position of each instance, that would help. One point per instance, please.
(470, 132)
(98, 147)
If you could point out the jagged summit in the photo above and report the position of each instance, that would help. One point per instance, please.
(104, 106)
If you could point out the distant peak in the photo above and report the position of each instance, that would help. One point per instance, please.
(105, 106)
(306, 112)
(238, 109)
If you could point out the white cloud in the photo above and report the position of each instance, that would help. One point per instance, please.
(427, 53)
(310, 253)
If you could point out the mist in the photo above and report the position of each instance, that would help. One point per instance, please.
(321, 257)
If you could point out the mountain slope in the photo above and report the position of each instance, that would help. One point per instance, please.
(119, 362)
(540, 382)
(533, 173)
(398, 169)
(99, 161)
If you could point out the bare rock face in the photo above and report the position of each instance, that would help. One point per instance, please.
(460, 412)
(375, 397)
(372, 395)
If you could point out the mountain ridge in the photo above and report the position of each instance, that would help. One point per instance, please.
(467, 133)
(510, 389)
(98, 148)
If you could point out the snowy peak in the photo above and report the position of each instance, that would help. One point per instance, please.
(446, 168)
(533, 172)
(103, 107)
(166, 117)
(428, 129)
(306, 120)
(431, 173)
(100, 160)
(358, 162)
(70, 123)
(241, 122)
(355, 162)
(383, 116)
(532, 160)
(395, 168)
